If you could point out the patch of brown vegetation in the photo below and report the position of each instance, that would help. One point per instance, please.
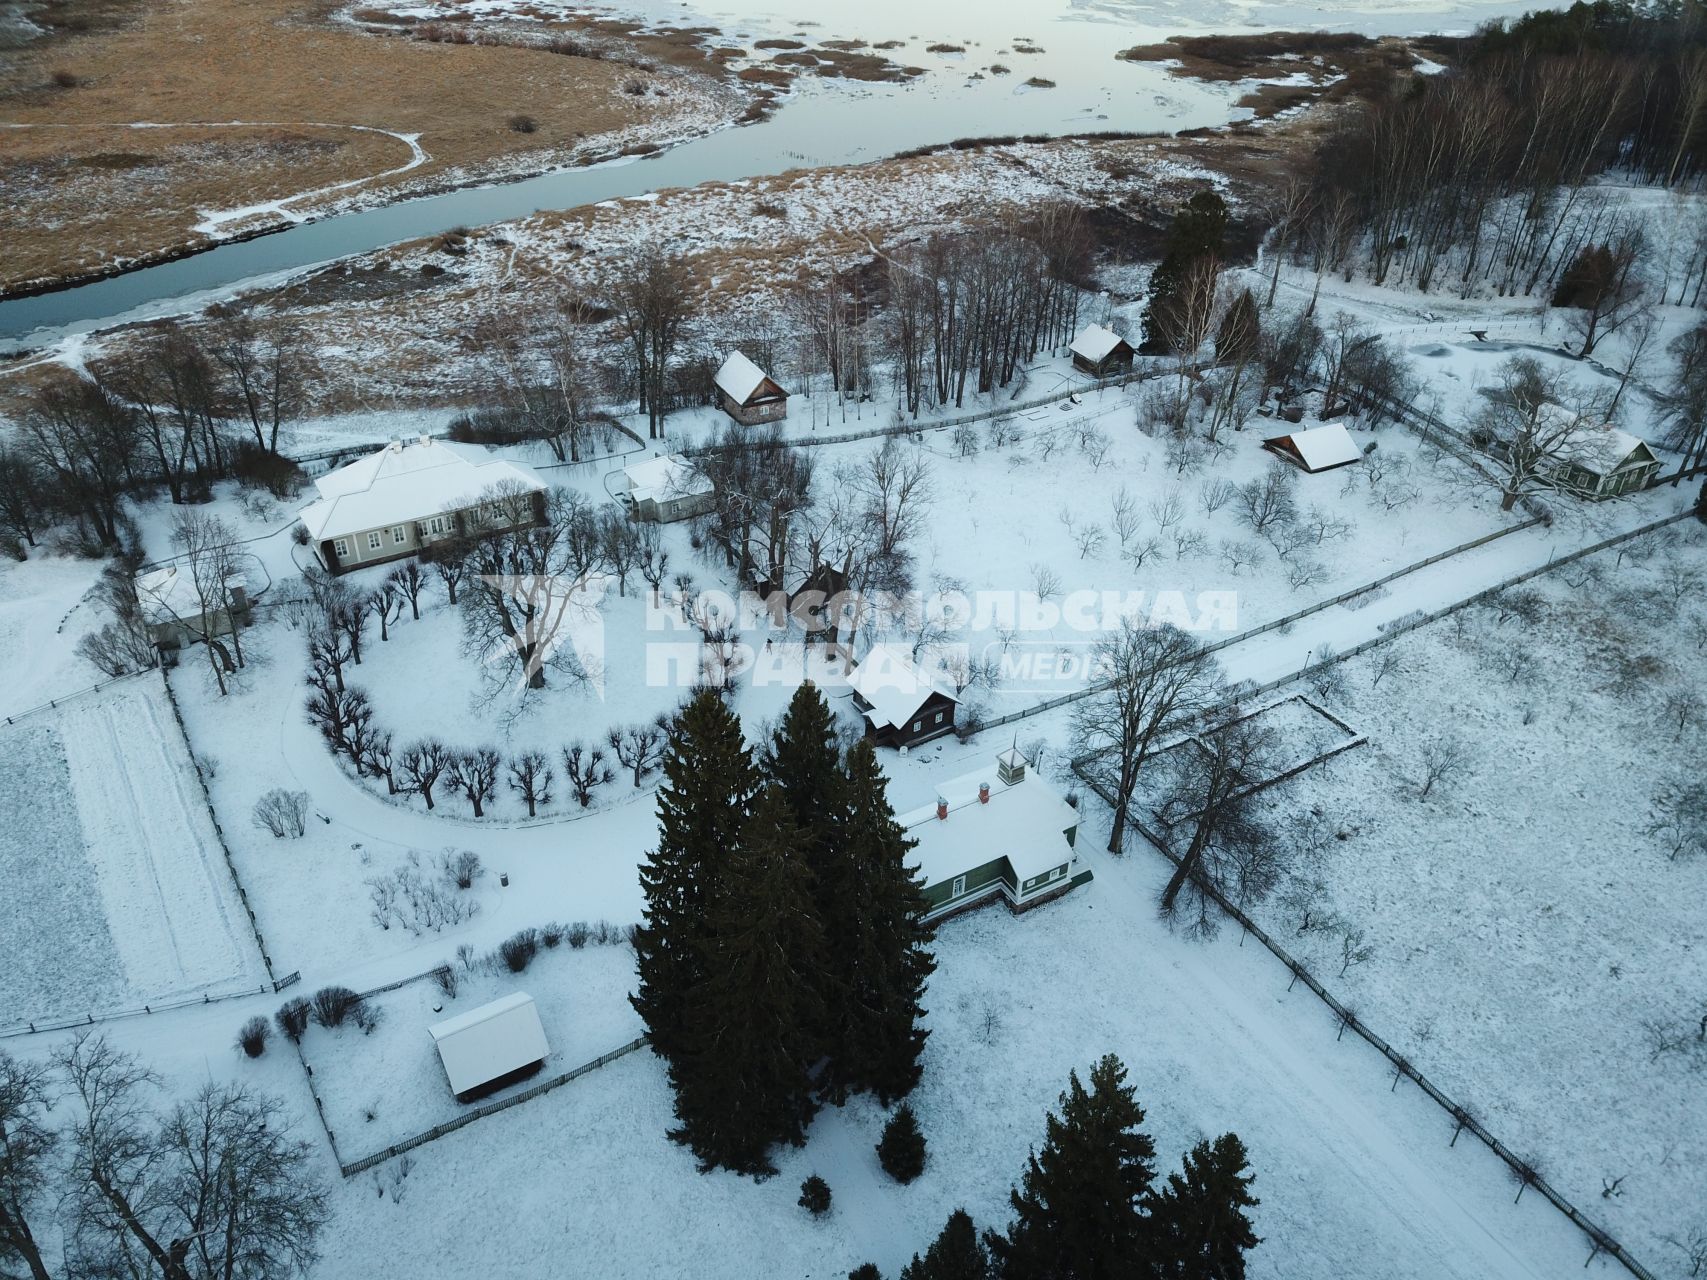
(281, 60)
(765, 75)
(841, 64)
(1220, 57)
(778, 43)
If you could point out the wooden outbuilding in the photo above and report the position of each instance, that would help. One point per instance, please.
(747, 393)
(1101, 352)
(492, 1046)
(901, 704)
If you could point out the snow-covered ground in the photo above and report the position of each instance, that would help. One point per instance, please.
(1525, 926)
(130, 901)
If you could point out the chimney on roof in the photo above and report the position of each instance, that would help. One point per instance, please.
(941, 809)
(983, 793)
(425, 441)
(396, 445)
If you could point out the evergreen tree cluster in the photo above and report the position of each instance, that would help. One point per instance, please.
(1089, 1206)
(783, 954)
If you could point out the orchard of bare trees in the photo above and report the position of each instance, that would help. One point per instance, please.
(98, 1179)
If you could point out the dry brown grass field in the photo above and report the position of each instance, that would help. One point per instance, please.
(82, 190)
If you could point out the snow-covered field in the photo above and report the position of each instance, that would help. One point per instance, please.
(130, 899)
(1525, 926)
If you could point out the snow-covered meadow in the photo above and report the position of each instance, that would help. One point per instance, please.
(1525, 924)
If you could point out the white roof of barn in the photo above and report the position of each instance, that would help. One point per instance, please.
(485, 1043)
(1025, 823)
(408, 481)
(1327, 446)
(888, 679)
(1606, 450)
(1095, 342)
(170, 593)
(739, 378)
(663, 478)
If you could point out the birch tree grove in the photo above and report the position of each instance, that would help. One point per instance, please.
(966, 313)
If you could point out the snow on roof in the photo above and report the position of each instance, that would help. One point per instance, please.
(408, 481)
(1025, 823)
(479, 1046)
(739, 378)
(1607, 449)
(169, 593)
(663, 478)
(1095, 342)
(1323, 447)
(887, 679)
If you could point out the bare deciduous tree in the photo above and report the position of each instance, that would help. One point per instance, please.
(1148, 676)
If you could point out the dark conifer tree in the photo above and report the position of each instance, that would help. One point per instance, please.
(1202, 1232)
(956, 1254)
(709, 784)
(901, 1150)
(741, 1080)
(806, 762)
(1078, 1212)
(885, 943)
(1199, 231)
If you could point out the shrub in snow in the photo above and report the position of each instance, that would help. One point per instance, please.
(461, 867)
(446, 980)
(901, 1150)
(366, 1016)
(518, 950)
(283, 813)
(579, 932)
(868, 1270)
(815, 1196)
(409, 897)
(332, 1005)
(606, 934)
(252, 1037)
(292, 1018)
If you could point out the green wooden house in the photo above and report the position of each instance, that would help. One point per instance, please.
(995, 835)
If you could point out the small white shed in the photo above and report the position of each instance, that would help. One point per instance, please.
(492, 1046)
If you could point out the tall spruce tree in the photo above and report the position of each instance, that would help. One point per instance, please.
(1198, 231)
(1199, 1218)
(880, 926)
(709, 784)
(805, 761)
(956, 1254)
(741, 1081)
(1078, 1212)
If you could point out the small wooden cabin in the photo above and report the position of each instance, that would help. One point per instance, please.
(902, 705)
(1318, 449)
(747, 393)
(1101, 352)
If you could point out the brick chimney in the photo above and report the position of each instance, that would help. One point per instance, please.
(941, 809)
(983, 793)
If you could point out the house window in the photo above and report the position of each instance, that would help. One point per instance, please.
(398, 537)
(917, 725)
(959, 887)
(340, 547)
(374, 541)
(941, 716)
(436, 525)
(1055, 874)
